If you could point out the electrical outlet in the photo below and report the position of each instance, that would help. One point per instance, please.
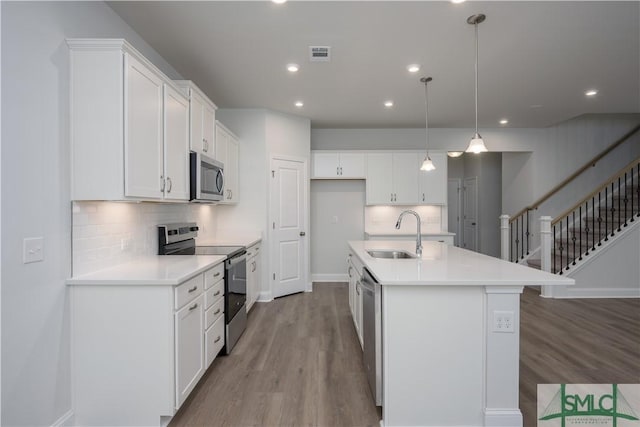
(503, 321)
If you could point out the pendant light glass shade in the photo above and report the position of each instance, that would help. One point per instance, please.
(476, 145)
(455, 153)
(427, 163)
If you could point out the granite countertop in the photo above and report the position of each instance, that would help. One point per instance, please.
(152, 270)
(443, 264)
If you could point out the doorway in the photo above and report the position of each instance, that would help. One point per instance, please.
(454, 204)
(470, 213)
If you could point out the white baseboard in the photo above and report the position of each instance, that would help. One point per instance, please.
(329, 278)
(502, 418)
(602, 293)
(265, 296)
(65, 420)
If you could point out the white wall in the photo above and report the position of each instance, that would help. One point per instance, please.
(35, 198)
(337, 216)
(262, 133)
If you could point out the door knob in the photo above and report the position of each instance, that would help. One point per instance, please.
(302, 233)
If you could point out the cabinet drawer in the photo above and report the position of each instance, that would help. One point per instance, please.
(253, 250)
(213, 275)
(214, 293)
(189, 290)
(213, 313)
(214, 340)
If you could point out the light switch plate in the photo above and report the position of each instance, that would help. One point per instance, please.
(32, 250)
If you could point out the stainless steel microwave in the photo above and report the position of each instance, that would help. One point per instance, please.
(207, 178)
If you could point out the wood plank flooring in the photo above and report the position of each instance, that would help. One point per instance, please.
(299, 361)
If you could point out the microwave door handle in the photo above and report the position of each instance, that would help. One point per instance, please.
(220, 180)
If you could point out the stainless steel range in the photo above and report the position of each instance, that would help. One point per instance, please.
(179, 239)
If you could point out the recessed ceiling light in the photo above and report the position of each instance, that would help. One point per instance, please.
(388, 104)
(292, 68)
(535, 106)
(504, 121)
(413, 68)
(458, 1)
(279, 1)
(591, 92)
(299, 104)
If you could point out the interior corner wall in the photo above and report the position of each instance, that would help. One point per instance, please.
(36, 377)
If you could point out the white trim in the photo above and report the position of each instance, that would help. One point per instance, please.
(65, 420)
(341, 277)
(601, 293)
(502, 418)
(265, 296)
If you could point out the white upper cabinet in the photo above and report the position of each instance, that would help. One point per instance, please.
(176, 144)
(122, 129)
(337, 165)
(202, 118)
(433, 184)
(227, 152)
(392, 179)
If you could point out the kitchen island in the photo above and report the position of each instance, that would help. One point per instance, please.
(449, 332)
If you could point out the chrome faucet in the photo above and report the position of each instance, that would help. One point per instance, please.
(419, 233)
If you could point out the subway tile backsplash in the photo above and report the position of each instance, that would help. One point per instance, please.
(106, 234)
(383, 218)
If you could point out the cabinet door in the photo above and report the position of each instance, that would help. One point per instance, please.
(189, 327)
(195, 117)
(143, 131)
(251, 282)
(352, 165)
(379, 179)
(231, 171)
(208, 132)
(405, 179)
(359, 310)
(433, 184)
(176, 144)
(221, 147)
(324, 164)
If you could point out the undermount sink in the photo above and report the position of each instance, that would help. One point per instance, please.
(390, 254)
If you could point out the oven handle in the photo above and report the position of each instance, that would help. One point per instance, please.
(237, 259)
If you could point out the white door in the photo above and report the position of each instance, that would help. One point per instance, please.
(176, 144)
(454, 189)
(288, 217)
(470, 214)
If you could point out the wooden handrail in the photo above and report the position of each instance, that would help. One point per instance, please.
(606, 183)
(590, 163)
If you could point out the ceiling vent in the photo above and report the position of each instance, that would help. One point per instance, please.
(320, 53)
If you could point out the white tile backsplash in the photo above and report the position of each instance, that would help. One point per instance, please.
(383, 218)
(106, 234)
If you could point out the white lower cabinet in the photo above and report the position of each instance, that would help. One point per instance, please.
(253, 274)
(138, 350)
(355, 293)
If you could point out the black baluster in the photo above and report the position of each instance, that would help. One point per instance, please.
(573, 237)
(517, 241)
(606, 214)
(511, 241)
(522, 238)
(600, 219)
(580, 222)
(561, 247)
(619, 207)
(527, 232)
(554, 250)
(593, 222)
(586, 227)
(626, 199)
(567, 242)
(632, 198)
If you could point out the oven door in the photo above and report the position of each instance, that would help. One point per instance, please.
(207, 178)
(235, 286)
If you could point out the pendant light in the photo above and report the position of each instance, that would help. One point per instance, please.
(477, 144)
(427, 164)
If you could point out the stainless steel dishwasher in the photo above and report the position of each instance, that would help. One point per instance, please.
(372, 334)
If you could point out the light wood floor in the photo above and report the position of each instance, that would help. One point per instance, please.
(299, 361)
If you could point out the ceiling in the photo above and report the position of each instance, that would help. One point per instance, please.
(536, 59)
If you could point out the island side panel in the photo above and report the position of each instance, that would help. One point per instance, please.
(433, 348)
(123, 354)
(502, 357)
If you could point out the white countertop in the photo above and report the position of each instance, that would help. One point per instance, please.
(239, 240)
(152, 270)
(443, 264)
(395, 232)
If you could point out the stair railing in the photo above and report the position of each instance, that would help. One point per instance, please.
(519, 224)
(584, 228)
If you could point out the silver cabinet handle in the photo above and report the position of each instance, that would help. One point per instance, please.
(423, 197)
(349, 272)
(391, 197)
(254, 266)
(302, 234)
(193, 307)
(249, 254)
(170, 185)
(337, 170)
(162, 183)
(358, 288)
(217, 274)
(217, 339)
(193, 289)
(231, 193)
(216, 312)
(216, 294)
(205, 145)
